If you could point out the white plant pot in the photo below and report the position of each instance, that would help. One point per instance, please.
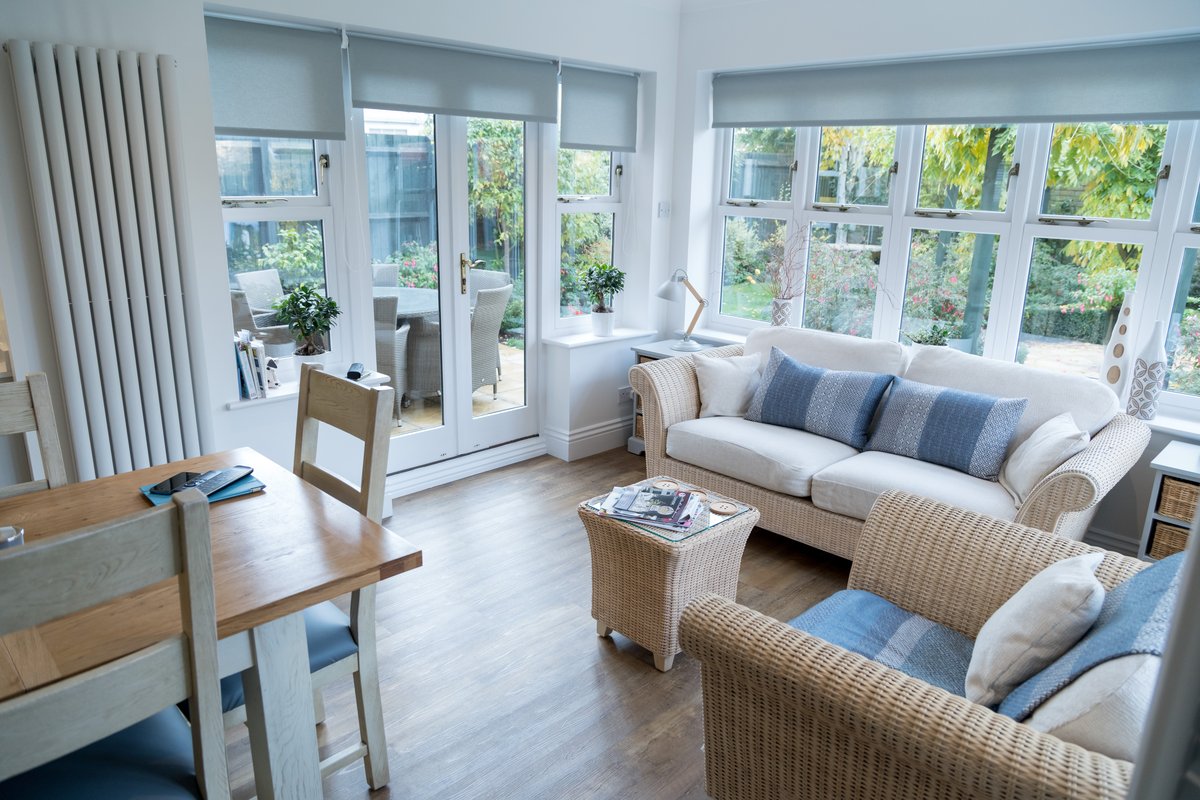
(783, 312)
(602, 323)
(321, 358)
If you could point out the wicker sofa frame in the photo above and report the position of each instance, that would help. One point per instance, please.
(1062, 503)
(788, 715)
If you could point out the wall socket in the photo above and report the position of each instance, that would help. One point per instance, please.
(624, 393)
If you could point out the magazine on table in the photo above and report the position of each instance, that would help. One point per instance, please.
(674, 509)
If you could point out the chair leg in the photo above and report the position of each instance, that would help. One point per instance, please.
(366, 687)
(319, 705)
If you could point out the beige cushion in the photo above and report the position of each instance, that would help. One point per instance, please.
(828, 350)
(1105, 708)
(1091, 403)
(1056, 440)
(782, 459)
(1034, 627)
(726, 385)
(851, 486)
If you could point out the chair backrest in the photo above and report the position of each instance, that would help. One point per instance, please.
(262, 287)
(25, 407)
(385, 275)
(65, 574)
(243, 320)
(485, 279)
(364, 412)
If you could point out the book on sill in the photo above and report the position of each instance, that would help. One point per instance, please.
(663, 508)
(242, 486)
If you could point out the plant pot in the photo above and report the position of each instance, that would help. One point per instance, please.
(320, 358)
(602, 323)
(783, 311)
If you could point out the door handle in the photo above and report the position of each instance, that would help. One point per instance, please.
(465, 264)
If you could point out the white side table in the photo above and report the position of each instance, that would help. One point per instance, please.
(1172, 501)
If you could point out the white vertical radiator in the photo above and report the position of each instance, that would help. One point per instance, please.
(103, 147)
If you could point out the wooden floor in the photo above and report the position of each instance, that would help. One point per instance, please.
(494, 682)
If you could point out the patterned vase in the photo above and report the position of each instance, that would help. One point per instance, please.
(1149, 375)
(1118, 355)
(782, 310)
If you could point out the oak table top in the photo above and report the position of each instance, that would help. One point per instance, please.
(275, 552)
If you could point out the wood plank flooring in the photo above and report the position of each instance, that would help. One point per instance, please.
(494, 682)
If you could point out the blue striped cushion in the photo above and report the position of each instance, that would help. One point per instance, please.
(837, 405)
(962, 430)
(871, 626)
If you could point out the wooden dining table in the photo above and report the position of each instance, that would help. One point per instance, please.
(275, 553)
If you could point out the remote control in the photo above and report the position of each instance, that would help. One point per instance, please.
(217, 479)
(356, 371)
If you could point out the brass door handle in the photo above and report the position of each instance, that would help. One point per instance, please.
(465, 264)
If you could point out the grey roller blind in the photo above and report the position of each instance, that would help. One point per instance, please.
(273, 81)
(599, 110)
(413, 77)
(1120, 82)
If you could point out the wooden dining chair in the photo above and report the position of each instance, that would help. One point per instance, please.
(339, 645)
(114, 730)
(25, 407)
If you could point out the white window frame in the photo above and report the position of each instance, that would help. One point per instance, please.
(1163, 237)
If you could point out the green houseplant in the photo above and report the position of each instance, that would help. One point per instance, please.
(309, 315)
(602, 282)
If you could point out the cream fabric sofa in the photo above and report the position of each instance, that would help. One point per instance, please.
(819, 491)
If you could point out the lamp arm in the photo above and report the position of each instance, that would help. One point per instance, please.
(699, 309)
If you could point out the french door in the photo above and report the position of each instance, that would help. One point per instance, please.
(450, 209)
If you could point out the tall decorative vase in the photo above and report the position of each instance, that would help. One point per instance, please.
(1118, 353)
(782, 311)
(1149, 374)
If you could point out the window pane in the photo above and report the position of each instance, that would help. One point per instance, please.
(1183, 338)
(587, 239)
(1100, 169)
(586, 173)
(949, 287)
(750, 243)
(402, 196)
(1196, 210)
(842, 275)
(496, 236)
(855, 165)
(295, 250)
(1074, 293)
(761, 168)
(252, 166)
(966, 167)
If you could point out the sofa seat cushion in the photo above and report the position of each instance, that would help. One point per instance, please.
(1091, 404)
(882, 631)
(851, 486)
(781, 459)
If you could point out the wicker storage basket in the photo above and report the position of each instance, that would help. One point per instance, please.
(1167, 539)
(1177, 498)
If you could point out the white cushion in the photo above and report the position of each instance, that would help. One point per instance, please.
(851, 486)
(1034, 627)
(1105, 708)
(781, 459)
(1056, 440)
(1091, 403)
(828, 350)
(726, 385)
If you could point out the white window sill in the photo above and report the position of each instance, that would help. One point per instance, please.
(287, 390)
(1172, 422)
(589, 339)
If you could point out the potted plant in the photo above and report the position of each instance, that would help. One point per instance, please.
(938, 334)
(309, 315)
(601, 282)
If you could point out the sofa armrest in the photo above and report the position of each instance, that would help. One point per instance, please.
(790, 715)
(1081, 481)
(669, 394)
(955, 566)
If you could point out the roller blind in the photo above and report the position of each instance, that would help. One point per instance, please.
(273, 81)
(1142, 81)
(599, 110)
(412, 77)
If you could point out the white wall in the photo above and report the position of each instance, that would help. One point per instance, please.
(625, 34)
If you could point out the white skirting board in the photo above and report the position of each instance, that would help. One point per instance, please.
(589, 440)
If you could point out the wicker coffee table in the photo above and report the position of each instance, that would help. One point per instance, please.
(643, 576)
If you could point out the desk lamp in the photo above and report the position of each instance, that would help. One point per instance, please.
(672, 289)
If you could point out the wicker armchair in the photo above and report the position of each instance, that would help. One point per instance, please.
(263, 325)
(1062, 503)
(486, 318)
(787, 715)
(391, 349)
